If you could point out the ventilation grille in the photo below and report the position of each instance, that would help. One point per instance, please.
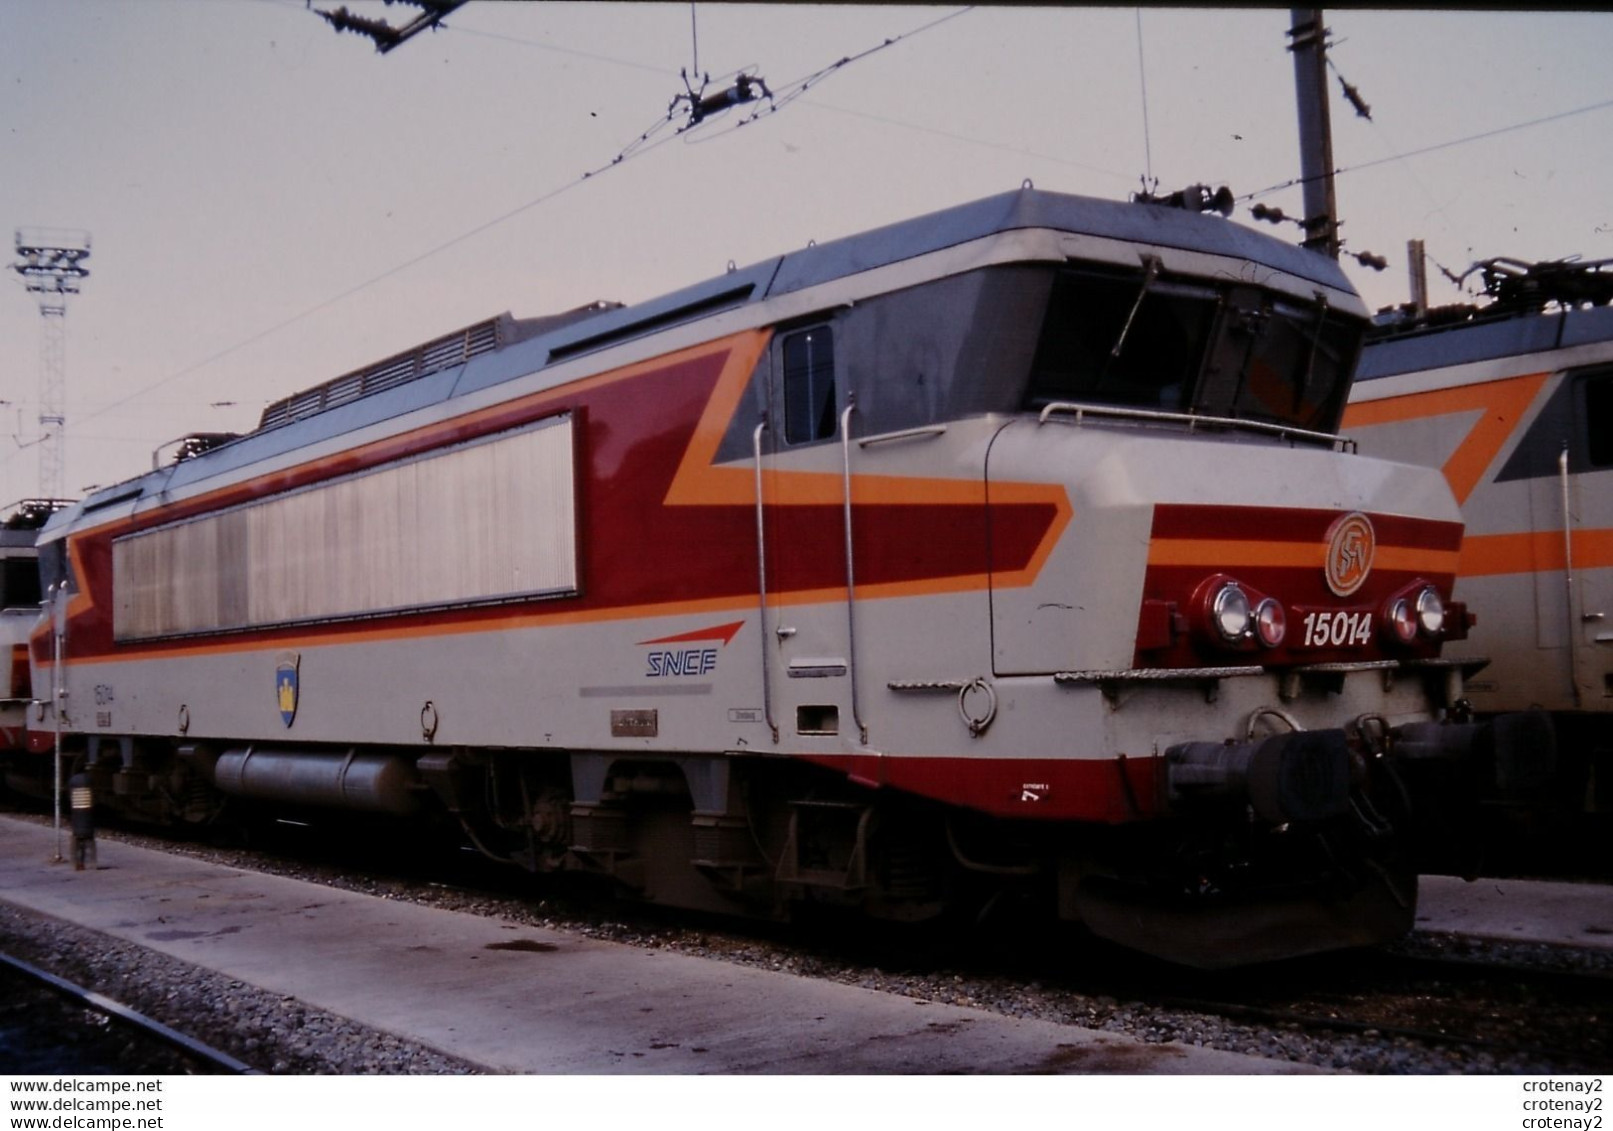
(422, 361)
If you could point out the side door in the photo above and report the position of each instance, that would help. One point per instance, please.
(803, 527)
(1587, 485)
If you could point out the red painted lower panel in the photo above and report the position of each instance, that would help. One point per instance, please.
(1107, 791)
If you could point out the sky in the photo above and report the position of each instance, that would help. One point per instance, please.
(270, 203)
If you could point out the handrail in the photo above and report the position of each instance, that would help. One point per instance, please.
(761, 577)
(1568, 575)
(1192, 420)
(924, 432)
(851, 573)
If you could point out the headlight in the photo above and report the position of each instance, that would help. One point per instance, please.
(1400, 621)
(1271, 623)
(1430, 612)
(1229, 612)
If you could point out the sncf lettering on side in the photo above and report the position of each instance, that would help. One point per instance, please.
(684, 661)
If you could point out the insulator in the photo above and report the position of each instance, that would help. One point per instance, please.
(1362, 110)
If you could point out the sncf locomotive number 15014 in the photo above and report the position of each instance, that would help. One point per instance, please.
(1010, 550)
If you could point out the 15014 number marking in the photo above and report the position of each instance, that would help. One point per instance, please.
(1337, 629)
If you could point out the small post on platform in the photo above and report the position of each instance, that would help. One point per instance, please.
(83, 821)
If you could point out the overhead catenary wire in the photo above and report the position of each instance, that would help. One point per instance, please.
(1149, 184)
(1437, 147)
(966, 139)
(865, 114)
(694, 39)
(1377, 262)
(780, 96)
(790, 91)
(648, 140)
(710, 129)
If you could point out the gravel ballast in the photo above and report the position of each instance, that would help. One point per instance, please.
(278, 1034)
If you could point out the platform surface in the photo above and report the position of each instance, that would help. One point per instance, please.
(1523, 911)
(554, 1002)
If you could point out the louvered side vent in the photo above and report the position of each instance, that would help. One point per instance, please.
(432, 357)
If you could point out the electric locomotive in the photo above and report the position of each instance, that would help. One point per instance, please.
(1512, 401)
(19, 611)
(1009, 551)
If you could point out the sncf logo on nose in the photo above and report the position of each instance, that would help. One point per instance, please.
(696, 656)
(1351, 543)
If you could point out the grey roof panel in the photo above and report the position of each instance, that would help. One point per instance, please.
(1588, 326)
(1458, 345)
(1029, 208)
(505, 365)
(257, 446)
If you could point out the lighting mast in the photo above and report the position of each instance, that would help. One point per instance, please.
(50, 263)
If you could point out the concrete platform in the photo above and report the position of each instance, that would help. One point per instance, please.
(1527, 911)
(525, 1000)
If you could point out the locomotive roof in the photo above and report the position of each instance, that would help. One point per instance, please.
(1030, 208)
(1507, 335)
(503, 348)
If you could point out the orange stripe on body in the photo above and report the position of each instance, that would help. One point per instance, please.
(1501, 405)
(700, 481)
(228, 644)
(1491, 555)
(697, 482)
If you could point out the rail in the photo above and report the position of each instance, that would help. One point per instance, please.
(1193, 422)
(190, 1046)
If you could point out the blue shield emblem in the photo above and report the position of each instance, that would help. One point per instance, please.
(286, 686)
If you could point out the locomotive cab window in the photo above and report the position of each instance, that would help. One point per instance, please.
(1279, 361)
(54, 567)
(1132, 340)
(1598, 392)
(19, 583)
(1143, 340)
(809, 385)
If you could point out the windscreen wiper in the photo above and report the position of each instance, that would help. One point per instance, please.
(1151, 267)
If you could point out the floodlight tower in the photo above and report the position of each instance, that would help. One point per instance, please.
(50, 262)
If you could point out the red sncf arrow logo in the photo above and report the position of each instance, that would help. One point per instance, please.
(723, 632)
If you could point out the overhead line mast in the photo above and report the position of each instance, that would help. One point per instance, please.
(1309, 46)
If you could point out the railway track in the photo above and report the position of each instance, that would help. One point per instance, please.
(1426, 1005)
(1483, 1009)
(1502, 1009)
(51, 1026)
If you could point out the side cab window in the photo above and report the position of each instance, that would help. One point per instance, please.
(809, 385)
(1598, 418)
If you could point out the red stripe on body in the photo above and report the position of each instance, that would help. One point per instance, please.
(1105, 791)
(644, 550)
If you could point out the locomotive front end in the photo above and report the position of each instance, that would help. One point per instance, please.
(1243, 625)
